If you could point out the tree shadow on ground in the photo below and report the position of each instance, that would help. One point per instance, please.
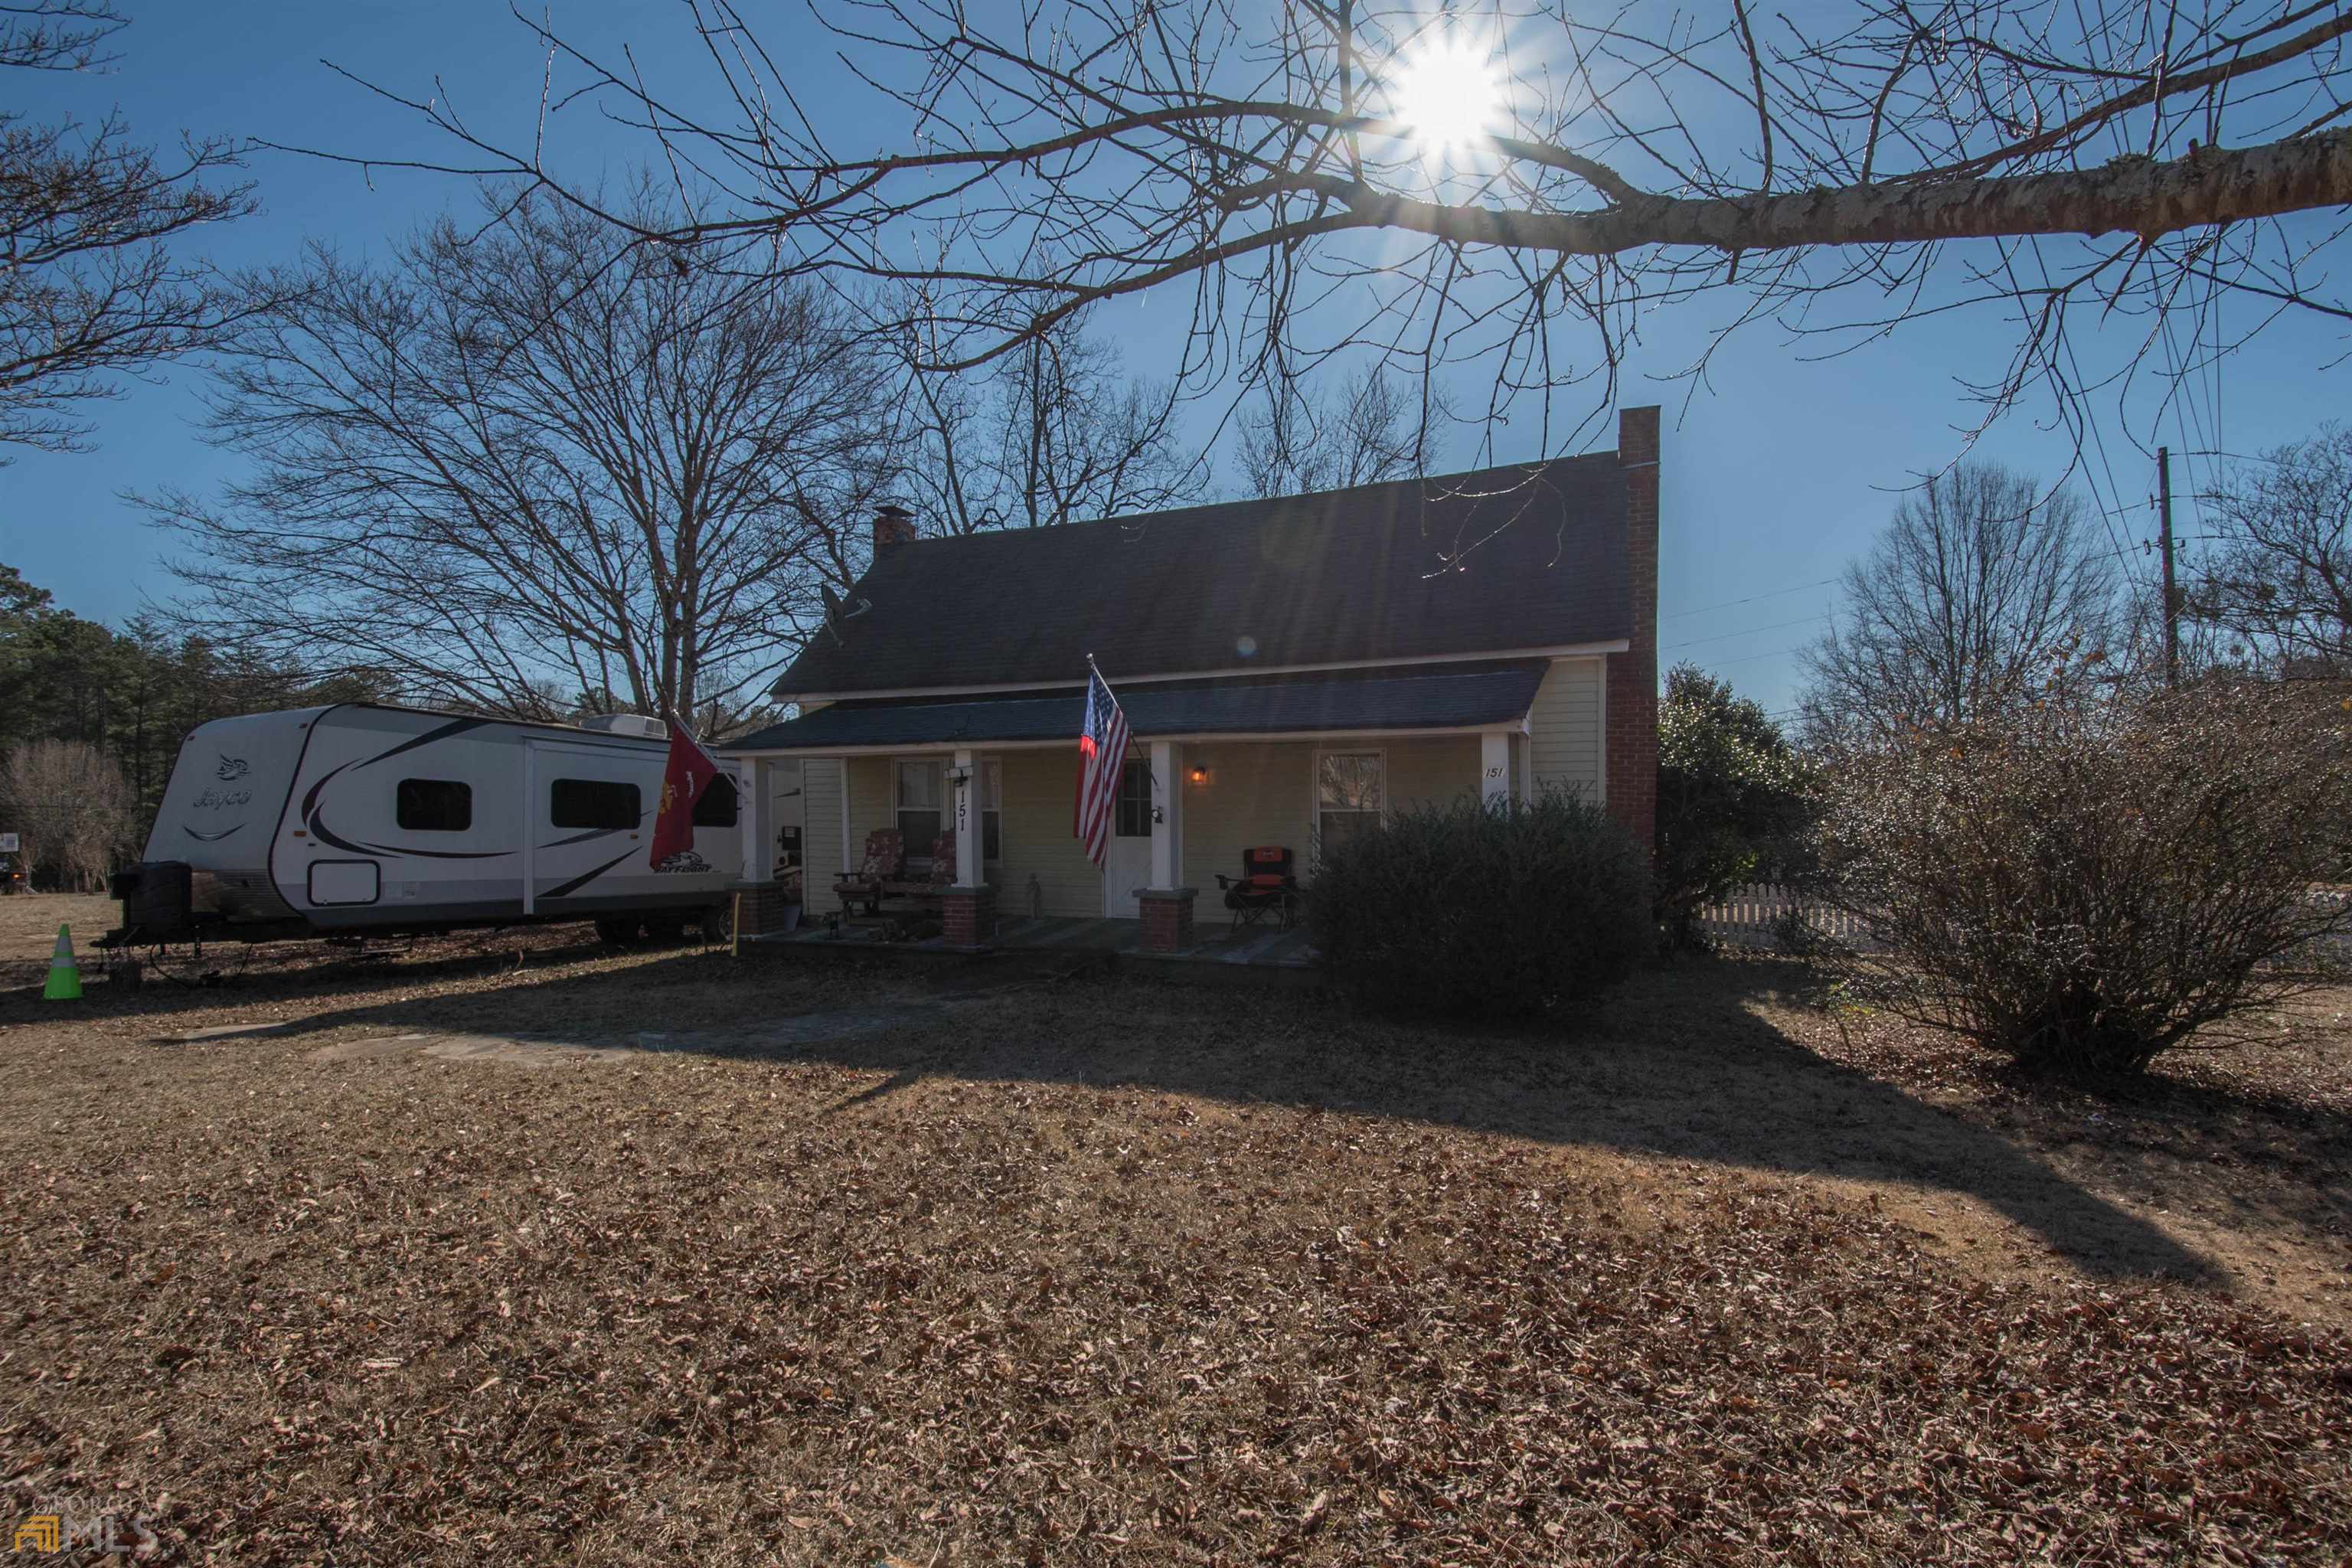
(1681, 1067)
(2274, 1162)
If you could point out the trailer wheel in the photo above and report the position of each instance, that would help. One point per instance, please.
(718, 923)
(617, 931)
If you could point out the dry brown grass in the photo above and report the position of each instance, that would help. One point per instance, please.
(1100, 1271)
(28, 928)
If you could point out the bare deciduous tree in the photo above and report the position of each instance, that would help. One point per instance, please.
(1296, 443)
(1052, 433)
(73, 807)
(2085, 882)
(1976, 586)
(2276, 581)
(535, 462)
(1523, 181)
(89, 286)
(57, 35)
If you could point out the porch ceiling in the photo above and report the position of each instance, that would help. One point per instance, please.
(1451, 698)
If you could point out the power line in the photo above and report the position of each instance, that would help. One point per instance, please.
(1730, 603)
(1775, 627)
(1751, 657)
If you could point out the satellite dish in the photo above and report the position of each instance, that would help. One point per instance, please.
(836, 611)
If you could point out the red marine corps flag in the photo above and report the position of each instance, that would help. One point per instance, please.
(1102, 752)
(691, 772)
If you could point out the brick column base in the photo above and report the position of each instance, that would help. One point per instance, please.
(968, 916)
(763, 906)
(1167, 918)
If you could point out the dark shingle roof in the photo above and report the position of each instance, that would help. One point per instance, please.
(1423, 698)
(1347, 575)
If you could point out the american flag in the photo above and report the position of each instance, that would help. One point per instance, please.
(1102, 752)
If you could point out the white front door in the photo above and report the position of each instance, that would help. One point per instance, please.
(1127, 865)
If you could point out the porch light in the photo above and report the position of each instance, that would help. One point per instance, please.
(1198, 775)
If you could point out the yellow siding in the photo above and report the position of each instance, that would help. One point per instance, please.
(1430, 771)
(819, 827)
(873, 802)
(1039, 787)
(1257, 794)
(1564, 727)
(1262, 792)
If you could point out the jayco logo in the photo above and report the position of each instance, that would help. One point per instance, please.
(233, 767)
(223, 800)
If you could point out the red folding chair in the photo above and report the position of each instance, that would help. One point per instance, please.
(1266, 887)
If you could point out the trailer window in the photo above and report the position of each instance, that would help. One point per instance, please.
(594, 803)
(434, 806)
(715, 808)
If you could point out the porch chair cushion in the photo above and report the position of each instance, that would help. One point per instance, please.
(942, 874)
(885, 858)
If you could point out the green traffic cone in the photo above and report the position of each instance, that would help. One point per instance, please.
(65, 974)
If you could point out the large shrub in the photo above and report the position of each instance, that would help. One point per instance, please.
(2085, 883)
(1732, 801)
(1478, 912)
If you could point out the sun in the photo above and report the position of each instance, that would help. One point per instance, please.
(1448, 92)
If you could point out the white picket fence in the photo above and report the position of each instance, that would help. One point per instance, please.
(1751, 917)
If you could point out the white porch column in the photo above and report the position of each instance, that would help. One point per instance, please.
(1167, 814)
(751, 814)
(966, 820)
(1494, 766)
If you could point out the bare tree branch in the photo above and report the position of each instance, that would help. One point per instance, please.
(1863, 165)
(89, 286)
(1976, 584)
(57, 35)
(536, 470)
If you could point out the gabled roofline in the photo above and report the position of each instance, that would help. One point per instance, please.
(1563, 650)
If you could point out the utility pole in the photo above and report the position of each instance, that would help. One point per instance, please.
(2171, 601)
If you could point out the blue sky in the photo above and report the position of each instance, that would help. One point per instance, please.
(1775, 474)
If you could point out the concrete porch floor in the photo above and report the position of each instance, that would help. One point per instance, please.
(1261, 947)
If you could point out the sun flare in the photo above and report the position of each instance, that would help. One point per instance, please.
(1448, 93)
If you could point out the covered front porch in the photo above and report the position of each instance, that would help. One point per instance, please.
(1189, 804)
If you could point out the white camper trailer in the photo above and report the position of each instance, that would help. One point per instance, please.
(357, 818)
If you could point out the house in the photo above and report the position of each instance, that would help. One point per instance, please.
(1289, 668)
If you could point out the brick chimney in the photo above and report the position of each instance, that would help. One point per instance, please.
(893, 524)
(1632, 691)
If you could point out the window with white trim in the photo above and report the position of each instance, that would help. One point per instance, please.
(1350, 790)
(920, 819)
(1132, 805)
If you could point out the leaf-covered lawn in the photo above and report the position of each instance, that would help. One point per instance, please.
(1102, 1272)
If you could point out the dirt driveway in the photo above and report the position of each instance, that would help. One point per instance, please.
(438, 1259)
(28, 930)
